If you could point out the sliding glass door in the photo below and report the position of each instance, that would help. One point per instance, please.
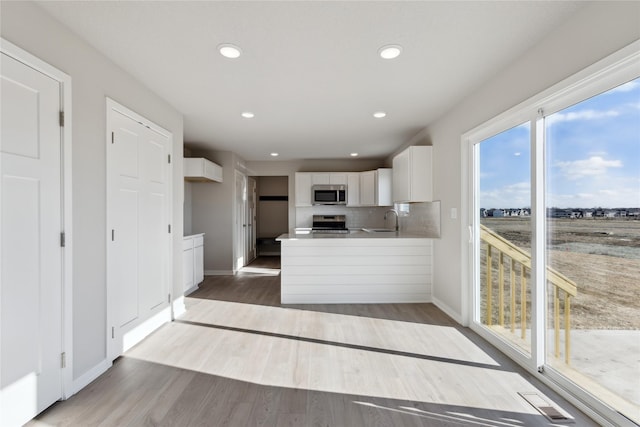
(592, 222)
(503, 215)
(555, 226)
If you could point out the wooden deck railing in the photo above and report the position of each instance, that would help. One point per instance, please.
(520, 261)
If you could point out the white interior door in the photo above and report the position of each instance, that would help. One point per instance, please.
(241, 220)
(31, 222)
(139, 244)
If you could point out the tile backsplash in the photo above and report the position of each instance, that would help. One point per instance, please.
(419, 218)
(356, 217)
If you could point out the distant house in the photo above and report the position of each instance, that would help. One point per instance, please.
(611, 213)
(633, 213)
(559, 213)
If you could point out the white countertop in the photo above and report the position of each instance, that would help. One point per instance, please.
(191, 236)
(353, 234)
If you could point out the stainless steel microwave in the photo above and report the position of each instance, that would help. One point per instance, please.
(329, 194)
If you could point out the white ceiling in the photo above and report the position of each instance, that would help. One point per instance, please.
(310, 70)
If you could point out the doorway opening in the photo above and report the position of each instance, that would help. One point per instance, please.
(272, 213)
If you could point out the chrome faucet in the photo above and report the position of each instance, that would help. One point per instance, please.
(395, 212)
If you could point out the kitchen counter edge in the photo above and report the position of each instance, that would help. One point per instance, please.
(354, 235)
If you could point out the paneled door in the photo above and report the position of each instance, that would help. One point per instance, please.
(31, 284)
(138, 234)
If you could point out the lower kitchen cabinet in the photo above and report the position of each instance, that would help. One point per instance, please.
(192, 262)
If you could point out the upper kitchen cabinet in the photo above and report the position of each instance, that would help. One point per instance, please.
(375, 188)
(303, 189)
(412, 180)
(353, 189)
(306, 180)
(200, 169)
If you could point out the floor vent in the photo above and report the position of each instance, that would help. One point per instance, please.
(546, 408)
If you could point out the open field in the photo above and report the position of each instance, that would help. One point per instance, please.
(602, 256)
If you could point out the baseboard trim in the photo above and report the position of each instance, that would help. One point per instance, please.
(143, 330)
(89, 376)
(179, 308)
(191, 290)
(218, 273)
(288, 298)
(447, 310)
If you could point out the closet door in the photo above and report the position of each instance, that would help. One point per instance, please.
(31, 218)
(138, 247)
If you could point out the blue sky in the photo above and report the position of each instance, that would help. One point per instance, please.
(592, 156)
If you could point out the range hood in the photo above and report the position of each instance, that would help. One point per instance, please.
(202, 170)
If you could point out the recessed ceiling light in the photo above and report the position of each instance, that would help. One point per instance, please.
(229, 51)
(379, 114)
(390, 51)
(274, 154)
(354, 154)
(248, 115)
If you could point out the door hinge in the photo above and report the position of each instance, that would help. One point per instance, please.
(62, 240)
(169, 228)
(169, 298)
(61, 118)
(168, 158)
(63, 360)
(113, 332)
(113, 137)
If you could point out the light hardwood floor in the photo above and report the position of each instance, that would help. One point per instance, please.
(239, 358)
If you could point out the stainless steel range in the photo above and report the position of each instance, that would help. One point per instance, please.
(329, 224)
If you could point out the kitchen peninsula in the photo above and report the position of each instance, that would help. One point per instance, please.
(356, 267)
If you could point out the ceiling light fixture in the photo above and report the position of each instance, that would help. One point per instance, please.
(354, 154)
(274, 154)
(248, 115)
(390, 51)
(229, 51)
(379, 114)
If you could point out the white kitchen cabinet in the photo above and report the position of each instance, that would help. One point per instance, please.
(303, 189)
(338, 178)
(384, 181)
(198, 262)
(368, 188)
(192, 262)
(329, 178)
(412, 180)
(321, 178)
(353, 189)
(306, 180)
(201, 169)
(375, 188)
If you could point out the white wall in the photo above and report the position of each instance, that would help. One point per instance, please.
(187, 208)
(212, 212)
(592, 34)
(94, 78)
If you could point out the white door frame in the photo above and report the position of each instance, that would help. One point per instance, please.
(146, 326)
(603, 75)
(240, 221)
(64, 79)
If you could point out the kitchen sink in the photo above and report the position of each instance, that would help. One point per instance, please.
(379, 230)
